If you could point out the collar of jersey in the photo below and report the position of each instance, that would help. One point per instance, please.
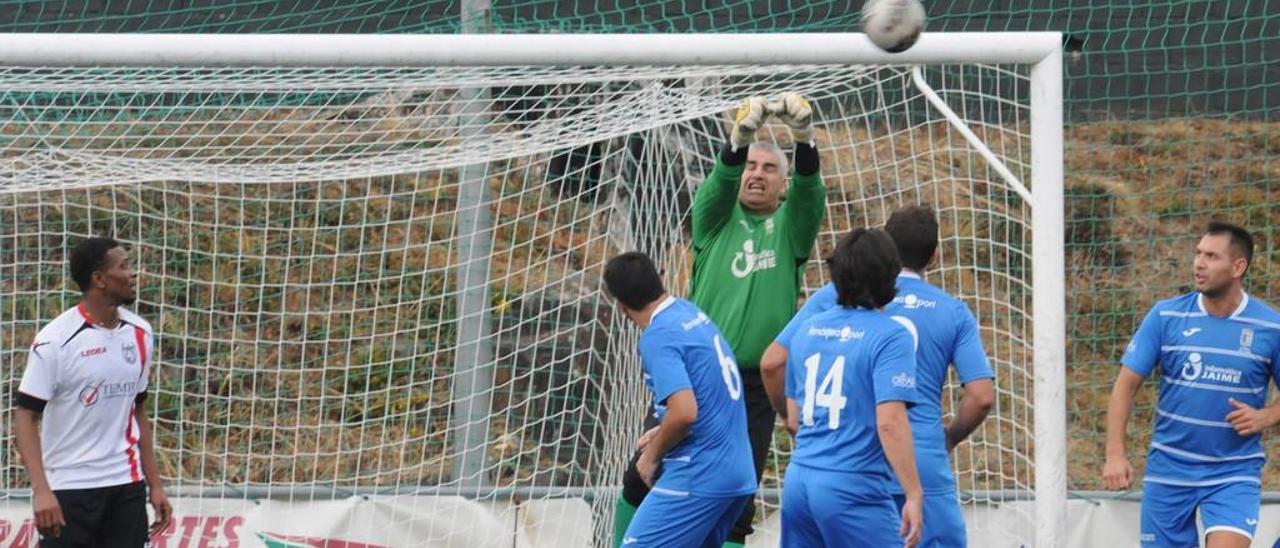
(662, 306)
(1244, 302)
(909, 274)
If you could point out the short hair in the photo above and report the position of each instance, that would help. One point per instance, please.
(1241, 240)
(784, 165)
(87, 257)
(864, 268)
(915, 231)
(633, 279)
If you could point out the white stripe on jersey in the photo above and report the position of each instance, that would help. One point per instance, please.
(1205, 483)
(1176, 314)
(1205, 458)
(1189, 420)
(1214, 387)
(669, 492)
(1220, 351)
(1253, 321)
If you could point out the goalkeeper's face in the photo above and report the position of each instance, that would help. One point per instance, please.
(763, 182)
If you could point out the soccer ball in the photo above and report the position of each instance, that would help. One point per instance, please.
(893, 25)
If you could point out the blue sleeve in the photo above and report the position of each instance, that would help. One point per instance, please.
(664, 364)
(969, 357)
(821, 301)
(1144, 349)
(894, 368)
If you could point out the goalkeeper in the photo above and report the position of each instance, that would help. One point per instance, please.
(753, 230)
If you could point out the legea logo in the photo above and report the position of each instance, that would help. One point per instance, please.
(747, 261)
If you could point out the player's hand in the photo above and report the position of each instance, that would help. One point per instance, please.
(49, 520)
(164, 511)
(796, 112)
(644, 439)
(912, 521)
(793, 424)
(1117, 473)
(648, 468)
(1248, 420)
(751, 115)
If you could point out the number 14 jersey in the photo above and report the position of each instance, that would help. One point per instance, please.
(841, 364)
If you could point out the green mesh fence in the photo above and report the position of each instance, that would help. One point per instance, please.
(1171, 108)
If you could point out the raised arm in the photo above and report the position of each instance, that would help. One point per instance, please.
(807, 197)
(713, 202)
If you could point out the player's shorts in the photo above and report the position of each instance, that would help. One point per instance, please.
(822, 508)
(1169, 511)
(666, 519)
(943, 523)
(102, 516)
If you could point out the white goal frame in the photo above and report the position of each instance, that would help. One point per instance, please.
(1041, 50)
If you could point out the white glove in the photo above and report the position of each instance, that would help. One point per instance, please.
(750, 117)
(794, 111)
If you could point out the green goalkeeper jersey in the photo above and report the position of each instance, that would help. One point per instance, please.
(747, 268)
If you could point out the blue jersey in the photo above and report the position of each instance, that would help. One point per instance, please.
(948, 335)
(842, 364)
(682, 350)
(1204, 360)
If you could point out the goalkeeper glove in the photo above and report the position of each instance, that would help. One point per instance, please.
(750, 117)
(794, 111)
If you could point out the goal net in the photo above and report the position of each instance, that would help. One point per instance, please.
(376, 289)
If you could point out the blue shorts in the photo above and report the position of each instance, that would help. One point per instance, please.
(943, 522)
(664, 519)
(1169, 511)
(822, 508)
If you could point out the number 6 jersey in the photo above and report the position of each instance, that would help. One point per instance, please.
(682, 349)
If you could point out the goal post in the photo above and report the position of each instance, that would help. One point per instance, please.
(372, 261)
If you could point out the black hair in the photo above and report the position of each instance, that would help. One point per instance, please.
(864, 268)
(915, 232)
(89, 256)
(1241, 240)
(633, 279)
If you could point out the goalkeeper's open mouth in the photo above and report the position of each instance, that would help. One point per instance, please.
(757, 187)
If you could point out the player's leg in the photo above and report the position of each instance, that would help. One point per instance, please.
(125, 521)
(1230, 514)
(633, 491)
(945, 527)
(83, 510)
(798, 526)
(760, 427)
(732, 511)
(1168, 515)
(665, 519)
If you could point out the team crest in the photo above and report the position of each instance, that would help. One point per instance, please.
(1246, 337)
(130, 353)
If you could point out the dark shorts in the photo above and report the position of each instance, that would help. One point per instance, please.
(113, 517)
(760, 426)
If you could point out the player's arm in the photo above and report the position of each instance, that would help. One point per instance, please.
(664, 363)
(1117, 473)
(39, 381)
(682, 411)
(976, 403)
(773, 372)
(715, 198)
(155, 487)
(895, 388)
(26, 430)
(970, 361)
(806, 201)
(894, 431)
(1139, 359)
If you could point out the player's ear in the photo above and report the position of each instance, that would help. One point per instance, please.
(1238, 267)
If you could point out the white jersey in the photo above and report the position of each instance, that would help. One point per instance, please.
(90, 378)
